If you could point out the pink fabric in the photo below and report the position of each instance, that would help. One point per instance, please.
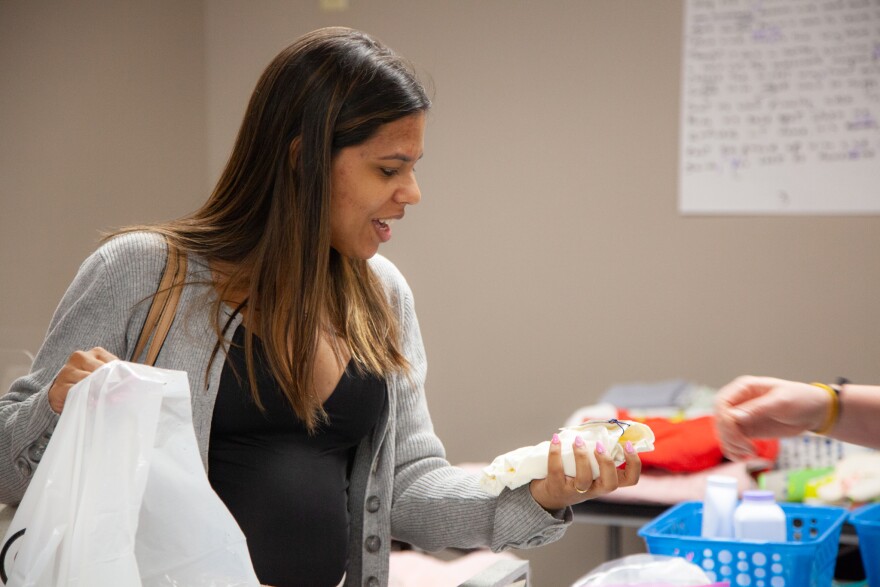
(671, 488)
(409, 567)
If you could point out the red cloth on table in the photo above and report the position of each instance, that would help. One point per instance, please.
(689, 445)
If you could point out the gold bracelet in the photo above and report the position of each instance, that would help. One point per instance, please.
(833, 410)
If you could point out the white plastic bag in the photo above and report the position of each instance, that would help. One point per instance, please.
(646, 570)
(121, 498)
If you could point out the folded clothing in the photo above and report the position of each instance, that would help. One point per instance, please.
(518, 467)
(661, 394)
(691, 445)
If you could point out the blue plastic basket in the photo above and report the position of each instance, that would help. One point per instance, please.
(806, 559)
(866, 521)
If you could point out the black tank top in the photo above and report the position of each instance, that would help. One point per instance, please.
(288, 490)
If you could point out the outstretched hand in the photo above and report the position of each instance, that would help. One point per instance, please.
(558, 491)
(764, 407)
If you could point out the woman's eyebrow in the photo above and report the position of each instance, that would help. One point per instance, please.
(399, 157)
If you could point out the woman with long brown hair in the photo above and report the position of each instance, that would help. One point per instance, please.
(303, 352)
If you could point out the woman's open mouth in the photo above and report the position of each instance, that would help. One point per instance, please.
(383, 228)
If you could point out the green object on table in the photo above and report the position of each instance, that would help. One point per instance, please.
(792, 484)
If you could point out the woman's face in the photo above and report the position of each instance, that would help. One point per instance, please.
(371, 184)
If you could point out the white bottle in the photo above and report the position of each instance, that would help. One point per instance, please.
(759, 517)
(719, 503)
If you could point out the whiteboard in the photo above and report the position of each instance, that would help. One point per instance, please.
(780, 108)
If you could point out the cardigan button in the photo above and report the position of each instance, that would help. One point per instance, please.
(373, 543)
(371, 582)
(24, 467)
(35, 451)
(373, 504)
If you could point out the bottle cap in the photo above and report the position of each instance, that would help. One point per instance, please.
(759, 495)
(721, 481)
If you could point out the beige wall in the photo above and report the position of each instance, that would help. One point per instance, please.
(547, 256)
(102, 121)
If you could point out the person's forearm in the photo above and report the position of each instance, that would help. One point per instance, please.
(859, 413)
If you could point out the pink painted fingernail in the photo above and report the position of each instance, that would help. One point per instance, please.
(600, 448)
(628, 447)
(555, 439)
(579, 442)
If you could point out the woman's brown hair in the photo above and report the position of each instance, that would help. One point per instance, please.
(268, 217)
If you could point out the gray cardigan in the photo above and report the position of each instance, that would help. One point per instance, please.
(401, 484)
